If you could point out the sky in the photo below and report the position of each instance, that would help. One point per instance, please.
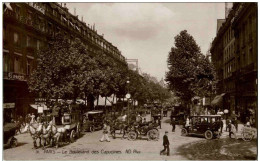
(146, 31)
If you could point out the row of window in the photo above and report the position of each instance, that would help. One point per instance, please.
(229, 52)
(17, 39)
(228, 36)
(247, 58)
(229, 68)
(246, 31)
(16, 64)
(50, 29)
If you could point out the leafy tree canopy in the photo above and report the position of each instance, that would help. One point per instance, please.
(190, 72)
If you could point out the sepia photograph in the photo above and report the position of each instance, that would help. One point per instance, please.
(130, 81)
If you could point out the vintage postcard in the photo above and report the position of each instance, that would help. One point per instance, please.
(130, 81)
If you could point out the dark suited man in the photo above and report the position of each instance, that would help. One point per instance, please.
(166, 144)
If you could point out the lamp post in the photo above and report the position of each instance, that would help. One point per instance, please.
(127, 97)
(226, 112)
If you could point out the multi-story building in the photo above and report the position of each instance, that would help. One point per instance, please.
(245, 30)
(234, 55)
(27, 27)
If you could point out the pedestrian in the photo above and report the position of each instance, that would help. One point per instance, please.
(166, 144)
(21, 121)
(236, 123)
(248, 122)
(187, 122)
(105, 133)
(159, 121)
(173, 124)
(232, 130)
(227, 124)
(32, 118)
(28, 118)
(221, 125)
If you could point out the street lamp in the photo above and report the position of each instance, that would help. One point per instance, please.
(127, 97)
(226, 112)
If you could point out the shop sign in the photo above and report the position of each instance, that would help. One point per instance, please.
(40, 109)
(40, 100)
(9, 105)
(14, 76)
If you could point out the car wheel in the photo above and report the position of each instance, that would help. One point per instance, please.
(13, 143)
(132, 135)
(72, 136)
(184, 132)
(208, 134)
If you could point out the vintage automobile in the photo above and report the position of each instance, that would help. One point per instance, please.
(9, 128)
(9, 132)
(93, 120)
(206, 125)
(148, 129)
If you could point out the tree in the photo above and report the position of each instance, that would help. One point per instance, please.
(66, 70)
(190, 72)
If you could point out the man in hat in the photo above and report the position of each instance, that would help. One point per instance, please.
(173, 124)
(166, 144)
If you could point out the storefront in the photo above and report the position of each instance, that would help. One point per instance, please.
(15, 90)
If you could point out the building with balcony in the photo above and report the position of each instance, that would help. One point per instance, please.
(27, 27)
(234, 55)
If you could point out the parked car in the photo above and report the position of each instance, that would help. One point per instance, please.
(93, 120)
(206, 125)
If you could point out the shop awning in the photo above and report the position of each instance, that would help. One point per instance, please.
(218, 100)
(36, 106)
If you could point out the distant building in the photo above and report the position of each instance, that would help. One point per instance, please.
(234, 55)
(219, 23)
(27, 27)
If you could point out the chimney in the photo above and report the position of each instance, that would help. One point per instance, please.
(74, 11)
(82, 18)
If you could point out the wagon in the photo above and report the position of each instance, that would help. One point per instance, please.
(206, 125)
(247, 133)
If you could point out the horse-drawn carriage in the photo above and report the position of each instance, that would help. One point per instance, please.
(67, 127)
(57, 129)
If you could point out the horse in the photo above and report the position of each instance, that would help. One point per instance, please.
(35, 131)
(57, 133)
(118, 125)
(46, 135)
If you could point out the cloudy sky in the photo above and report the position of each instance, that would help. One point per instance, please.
(145, 31)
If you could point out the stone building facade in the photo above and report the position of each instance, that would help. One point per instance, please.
(234, 55)
(27, 27)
